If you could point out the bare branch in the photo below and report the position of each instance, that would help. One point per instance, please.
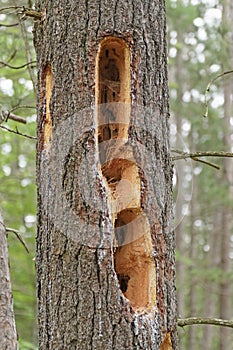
(16, 118)
(21, 106)
(18, 133)
(208, 89)
(5, 64)
(27, 47)
(9, 25)
(18, 235)
(31, 13)
(27, 12)
(185, 155)
(215, 166)
(12, 56)
(10, 8)
(199, 320)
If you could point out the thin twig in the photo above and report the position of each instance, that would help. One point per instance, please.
(199, 320)
(9, 25)
(18, 133)
(208, 89)
(27, 47)
(21, 106)
(215, 166)
(20, 238)
(12, 56)
(10, 7)
(5, 64)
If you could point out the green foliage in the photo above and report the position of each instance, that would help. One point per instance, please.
(24, 345)
(17, 173)
(199, 50)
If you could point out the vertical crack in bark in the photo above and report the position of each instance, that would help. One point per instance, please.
(114, 16)
(99, 19)
(133, 252)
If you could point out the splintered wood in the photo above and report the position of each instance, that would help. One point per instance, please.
(48, 86)
(133, 252)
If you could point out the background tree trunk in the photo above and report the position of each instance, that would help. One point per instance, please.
(105, 245)
(227, 180)
(8, 335)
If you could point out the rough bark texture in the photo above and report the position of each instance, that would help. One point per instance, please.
(8, 335)
(88, 299)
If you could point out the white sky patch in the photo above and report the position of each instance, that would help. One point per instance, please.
(6, 169)
(6, 85)
(31, 119)
(213, 17)
(186, 126)
(25, 182)
(190, 41)
(188, 178)
(26, 83)
(173, 129)
(198, 223)
(6, 148)
(186, 97)
(173, 34)
(173, 41)
(218, 101)
(173, 52)
(29, 29)
(22, 161)
(197, 170)
(201, 58)
(195, 2)
(30, 220)
(206, 248)
(195, 94)
(2, 17)
(210, 3)
(202, 35)
(185, 209)
(173, 93)
(198, 22)
(214, 68)
(200, 48)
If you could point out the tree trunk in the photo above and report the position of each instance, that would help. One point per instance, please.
(8, 335)
(211, 298)
(105, 244)
(227, 181)
(192, 302)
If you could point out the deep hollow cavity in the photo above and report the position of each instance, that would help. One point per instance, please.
(132, 248)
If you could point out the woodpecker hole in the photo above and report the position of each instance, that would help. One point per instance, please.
(133, 252)
(47, 87)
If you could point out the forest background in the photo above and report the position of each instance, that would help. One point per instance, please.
(200, 47)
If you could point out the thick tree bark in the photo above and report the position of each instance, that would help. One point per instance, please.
(105, 244)
(8, 335)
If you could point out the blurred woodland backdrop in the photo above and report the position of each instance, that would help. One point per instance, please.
(200, 47)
